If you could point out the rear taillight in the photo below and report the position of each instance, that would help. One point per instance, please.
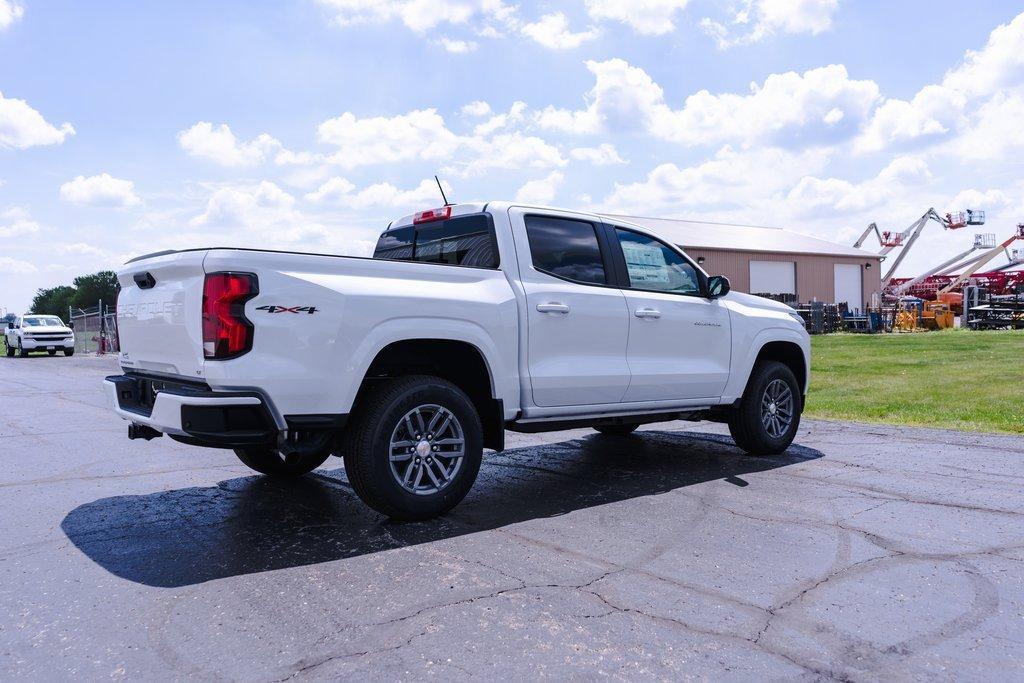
(431, 215)
(227, 333)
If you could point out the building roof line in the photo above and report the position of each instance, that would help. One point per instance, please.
(691, 220)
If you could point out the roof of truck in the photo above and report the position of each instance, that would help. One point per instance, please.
(696, 234)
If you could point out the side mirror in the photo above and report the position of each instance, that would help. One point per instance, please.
(71, 324)
(718, 285)
(10, 326)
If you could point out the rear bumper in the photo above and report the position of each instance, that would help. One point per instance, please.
(193, 412)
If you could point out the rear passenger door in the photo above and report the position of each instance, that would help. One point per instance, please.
(577, 323)
(680, 342)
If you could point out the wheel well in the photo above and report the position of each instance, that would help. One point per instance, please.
(459, 362)
(790, 355)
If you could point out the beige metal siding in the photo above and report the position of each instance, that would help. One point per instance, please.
(815, 275)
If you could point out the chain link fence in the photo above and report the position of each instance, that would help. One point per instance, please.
(95, 328)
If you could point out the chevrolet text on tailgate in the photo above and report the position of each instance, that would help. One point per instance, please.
(468, 320)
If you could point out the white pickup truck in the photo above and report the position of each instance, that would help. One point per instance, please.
(469, 320)
(31, 332)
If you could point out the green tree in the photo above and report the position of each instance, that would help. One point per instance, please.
(53, 301)
(90, 289)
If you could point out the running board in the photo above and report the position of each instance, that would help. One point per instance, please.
(558, 424)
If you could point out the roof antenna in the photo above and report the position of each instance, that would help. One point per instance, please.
(446, 202)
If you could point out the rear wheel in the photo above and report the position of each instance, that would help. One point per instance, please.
(51, 352)
(271, 462)
(10, 350)
(768, 416)
(617, 430)
(414, 447)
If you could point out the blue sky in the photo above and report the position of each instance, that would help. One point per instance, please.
(309, 124)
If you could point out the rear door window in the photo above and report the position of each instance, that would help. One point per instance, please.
(566, 248)
(461, 241)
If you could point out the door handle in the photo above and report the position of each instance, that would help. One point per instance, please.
(552, 307)
(647, 313)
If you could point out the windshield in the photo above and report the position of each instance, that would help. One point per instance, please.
(43, 321)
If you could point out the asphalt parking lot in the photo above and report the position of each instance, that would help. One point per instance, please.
(863, 553)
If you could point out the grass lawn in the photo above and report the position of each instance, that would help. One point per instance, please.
(957, 379)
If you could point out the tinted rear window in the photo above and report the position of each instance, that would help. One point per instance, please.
(565, 248)
(462, 241)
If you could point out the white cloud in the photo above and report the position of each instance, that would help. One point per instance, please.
(477, 108)
(386, 195)
(995, 130)
(419, 15)
(740, 181)
(16, 267)
(541, 191)
(99, 190)
(235, 205)
(766, 17)
(1000, 63)
(10, 12)
(420, 134)
(811, 194)
(515, 114)
(939, 109)
(625, 97)
(222, 147)
(22, 127)
(458, 46)
(552, 31)
(82, 249)
(604, 154)
(650, 17)
(511, 151)
(16, 222)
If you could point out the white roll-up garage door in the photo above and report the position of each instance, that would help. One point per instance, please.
(849, 287)
(772, 277)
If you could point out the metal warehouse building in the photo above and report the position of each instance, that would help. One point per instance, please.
(774, 261)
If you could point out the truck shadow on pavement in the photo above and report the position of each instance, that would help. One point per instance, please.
(256, 524)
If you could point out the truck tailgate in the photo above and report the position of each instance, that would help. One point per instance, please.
(159, 314)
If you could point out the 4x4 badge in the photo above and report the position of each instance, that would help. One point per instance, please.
(288, 309)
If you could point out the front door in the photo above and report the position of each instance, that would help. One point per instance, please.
(679, 341)
(577, 323)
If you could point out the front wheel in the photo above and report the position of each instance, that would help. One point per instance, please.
(271, 462)
(768, 416)
(22, 352)
(69, 352)
(414, 448)
(51, 352)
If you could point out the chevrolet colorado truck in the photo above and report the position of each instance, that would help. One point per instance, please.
(468, 320)
(30, 332)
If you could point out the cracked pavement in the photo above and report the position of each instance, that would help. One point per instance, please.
(863, 553)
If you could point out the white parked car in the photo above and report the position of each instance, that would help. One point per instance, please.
(469, 320)
(31, 332)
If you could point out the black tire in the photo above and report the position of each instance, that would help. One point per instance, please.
(617, 430)
(51, 352)
(10, 350)
(69, 352)
(22, 352)
(367, 447)
(746, 425)
(270, 462)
